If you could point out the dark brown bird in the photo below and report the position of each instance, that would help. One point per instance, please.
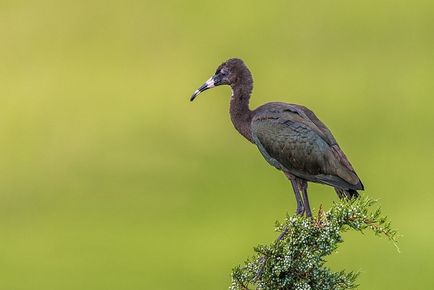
(290, 137)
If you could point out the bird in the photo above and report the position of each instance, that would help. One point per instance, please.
(290, 137)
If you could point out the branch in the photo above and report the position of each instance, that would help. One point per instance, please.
(297, 261)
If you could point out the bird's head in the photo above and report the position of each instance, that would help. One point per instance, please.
(231, 72)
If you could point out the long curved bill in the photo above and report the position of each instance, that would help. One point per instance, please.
(207, 85)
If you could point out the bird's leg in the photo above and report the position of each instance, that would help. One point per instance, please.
(300, 211)
(303, 187)
(300, 206)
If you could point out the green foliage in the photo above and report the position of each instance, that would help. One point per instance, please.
(297, 260)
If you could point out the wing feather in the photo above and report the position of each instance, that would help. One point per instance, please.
(291, 138)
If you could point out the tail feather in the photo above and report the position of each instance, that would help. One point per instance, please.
(362, 187)
(346, 193)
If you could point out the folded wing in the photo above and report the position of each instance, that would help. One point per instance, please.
(293, 139)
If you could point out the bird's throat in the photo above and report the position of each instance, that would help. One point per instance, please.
(241, 115)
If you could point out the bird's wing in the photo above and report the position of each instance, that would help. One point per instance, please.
(337, 151)
(291, 141)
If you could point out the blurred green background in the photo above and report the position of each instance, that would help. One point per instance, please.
(111, 179)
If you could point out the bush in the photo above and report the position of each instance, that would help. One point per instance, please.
(297, 260)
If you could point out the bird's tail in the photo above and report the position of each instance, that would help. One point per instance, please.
(346, 193)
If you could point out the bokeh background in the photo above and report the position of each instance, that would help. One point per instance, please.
(111, 179)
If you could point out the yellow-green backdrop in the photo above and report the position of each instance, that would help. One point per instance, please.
(111, 179)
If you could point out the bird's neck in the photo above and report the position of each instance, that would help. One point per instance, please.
(241, 115)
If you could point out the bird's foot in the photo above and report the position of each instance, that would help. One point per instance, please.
(300, 210)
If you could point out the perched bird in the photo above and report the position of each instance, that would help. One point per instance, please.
(290, 137)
